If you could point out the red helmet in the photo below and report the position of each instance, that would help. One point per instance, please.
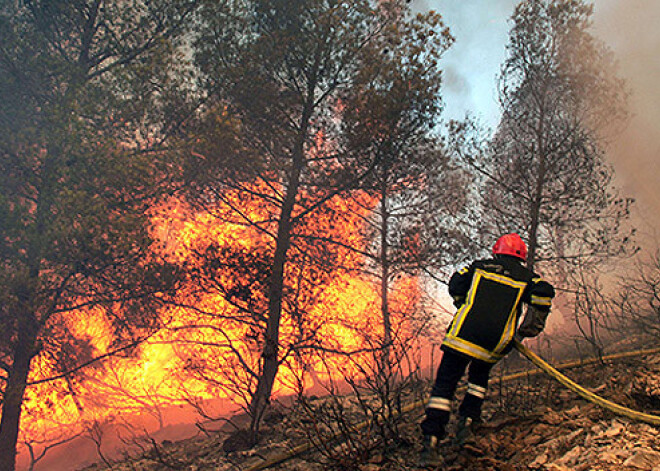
(511, 244)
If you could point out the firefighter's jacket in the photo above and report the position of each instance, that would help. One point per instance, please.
(489, 295)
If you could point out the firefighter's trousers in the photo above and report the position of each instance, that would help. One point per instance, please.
(451, 370)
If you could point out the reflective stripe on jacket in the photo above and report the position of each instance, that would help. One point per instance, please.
(490, 294)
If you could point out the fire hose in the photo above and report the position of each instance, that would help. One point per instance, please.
(538, 362)
(582, 392)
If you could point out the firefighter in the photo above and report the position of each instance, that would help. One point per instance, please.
(489, 295)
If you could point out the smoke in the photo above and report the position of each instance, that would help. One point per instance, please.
(629, 28)
(470, 67)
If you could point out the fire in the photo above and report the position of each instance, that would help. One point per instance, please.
(209, 346)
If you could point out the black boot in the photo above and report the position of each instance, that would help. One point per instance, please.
(466, 429)
(430, 456)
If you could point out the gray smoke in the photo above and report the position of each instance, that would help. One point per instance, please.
(630, 29)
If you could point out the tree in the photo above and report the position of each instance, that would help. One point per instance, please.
(591, 308)
(547, 174)
(609, 310)
(415, 230)
(282, 78)
(89, 102)
(396, 112)
(392, 118)
(637, 306)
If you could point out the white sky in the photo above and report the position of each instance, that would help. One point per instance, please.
(629, 27)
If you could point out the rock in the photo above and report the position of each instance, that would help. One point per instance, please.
(273, 417)
(557, 467)
(240, 440)
(648, 430)
(303, 466)
(612, 455)
(564, 396)
(485, 443)
(615, 429)
(539, 461)
(643, 458)
(573, 412)
(552, 418)
(543, 430)
(377, 458)
(532, 439)
(562, 440)
(571, 457)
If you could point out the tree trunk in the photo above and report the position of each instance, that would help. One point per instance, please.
(384, 281)
(265, 383)
(261, 396)
(537, 198)
(271, 364)
(13, 398)
(25, 346)
(533, 232)
(28, 327)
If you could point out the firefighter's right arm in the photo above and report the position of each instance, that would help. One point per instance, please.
(540, 300)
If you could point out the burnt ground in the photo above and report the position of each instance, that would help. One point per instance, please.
(531, 424)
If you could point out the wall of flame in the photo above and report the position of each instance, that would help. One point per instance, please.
(207, 347)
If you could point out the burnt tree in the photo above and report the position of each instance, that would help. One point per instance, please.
(88, 103)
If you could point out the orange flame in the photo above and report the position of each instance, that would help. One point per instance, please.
(207, 332)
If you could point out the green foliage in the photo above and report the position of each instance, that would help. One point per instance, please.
(307, 102)
(86, 88)
(93, 92)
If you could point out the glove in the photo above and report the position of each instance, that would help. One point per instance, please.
(534, 322)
